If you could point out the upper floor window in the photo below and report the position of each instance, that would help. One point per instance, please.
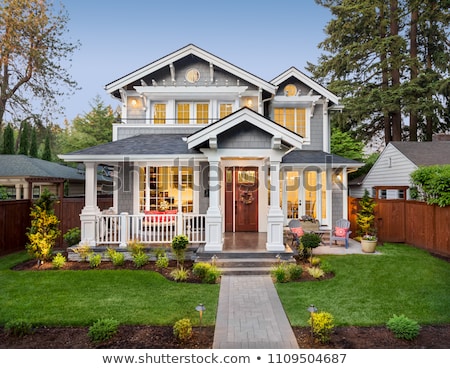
(192, 112)
(225, 109)
(293, 119)
(159, 113)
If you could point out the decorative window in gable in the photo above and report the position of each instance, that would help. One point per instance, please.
(293, 119)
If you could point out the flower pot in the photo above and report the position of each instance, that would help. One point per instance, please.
(368, 245)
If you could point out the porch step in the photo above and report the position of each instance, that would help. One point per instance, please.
(246, 263)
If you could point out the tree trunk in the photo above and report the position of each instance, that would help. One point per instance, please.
(395, 73)
(413, 115)
(385, 81)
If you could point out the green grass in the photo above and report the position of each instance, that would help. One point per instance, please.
(368, 289)
(78, 298)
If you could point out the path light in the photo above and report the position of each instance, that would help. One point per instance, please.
(200, 308)
(213, 259)
(312, 309)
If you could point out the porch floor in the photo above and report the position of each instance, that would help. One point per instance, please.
(244, 242)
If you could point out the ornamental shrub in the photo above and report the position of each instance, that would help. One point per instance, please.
(179, 245)
(182, 329)
(44, 228)
(294, 271)
(72, 236)
(18, 328)
(403, 327)
(432, 184)
(140, 259)
(59, 260)
(200, 269)
(103, 329)
(180, 274)
(84, 251)
(315, 272)
(117, 258)
(279, 273)
(162, 261)
(322, 324)
(95, 260)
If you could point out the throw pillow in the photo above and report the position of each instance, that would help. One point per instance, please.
(297, 231)
(340, 232)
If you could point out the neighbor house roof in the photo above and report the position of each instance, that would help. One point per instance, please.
(24, 166)
(425, 153)
(317, 157)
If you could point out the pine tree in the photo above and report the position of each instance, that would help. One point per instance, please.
(34, 145)
(8, 140)
(47, 154)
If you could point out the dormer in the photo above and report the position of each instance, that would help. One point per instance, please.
(302, 105)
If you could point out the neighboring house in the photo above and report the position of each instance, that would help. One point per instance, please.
(204, 147)
(24, 177)
(389, 178)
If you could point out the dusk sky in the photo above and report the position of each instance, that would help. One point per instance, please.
(263, 37)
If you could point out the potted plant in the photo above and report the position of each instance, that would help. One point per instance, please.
(365, 220)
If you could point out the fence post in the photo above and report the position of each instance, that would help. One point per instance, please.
(124, 227)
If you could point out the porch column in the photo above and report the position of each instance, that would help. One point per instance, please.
(18, 191)
(90, 211)
(275, 217)
(344, 193)
(213, 222)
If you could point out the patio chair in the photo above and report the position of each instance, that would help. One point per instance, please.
(341, 232)
(295, 226)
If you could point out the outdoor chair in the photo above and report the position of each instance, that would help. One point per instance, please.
(341, 232)
(295, 226)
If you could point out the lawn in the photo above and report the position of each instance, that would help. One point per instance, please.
(78, 298)
(366, 290)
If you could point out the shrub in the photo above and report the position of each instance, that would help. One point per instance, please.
(44, 228)
(103, 330)
(326, 266)
(116, 257)
(72, 236)
(294, 271)
(58, 261)
(162, 261)
(160, 251)
(179, 244)
(180, 274)
(322, 325)
(18, 328)
(140, 259)
(182, 329)
(95, 260)
(315, 261)
(432, 184)
(403, 327)
(84, 251)
(279, 273)
(315, 272)
(212, 275)
(136, 247)
(200, 269)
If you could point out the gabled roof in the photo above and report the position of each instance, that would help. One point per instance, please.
(24, 166)
(319, 158)
(425, 153)
(236, 118)
(294, 72)
(179, 54)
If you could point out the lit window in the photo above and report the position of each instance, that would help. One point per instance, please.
(159, 114)
(186, 111)
(225, 110)
(183, 113)
(202, 113)
(293, 119)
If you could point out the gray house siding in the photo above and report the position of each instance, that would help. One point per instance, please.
(337, 203)
(125, 187)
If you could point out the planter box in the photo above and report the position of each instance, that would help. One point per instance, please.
(368, 246)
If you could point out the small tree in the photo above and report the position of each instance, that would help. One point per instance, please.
(365, 218)
(44, 228)
(179, 244)
(8, 140)
(310, 241)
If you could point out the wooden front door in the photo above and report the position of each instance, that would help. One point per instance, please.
(241, 199)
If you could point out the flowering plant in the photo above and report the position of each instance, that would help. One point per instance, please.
(369, 237)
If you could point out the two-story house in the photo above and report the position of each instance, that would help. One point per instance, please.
(205, 148)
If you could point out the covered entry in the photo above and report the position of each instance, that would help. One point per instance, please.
(241, 199)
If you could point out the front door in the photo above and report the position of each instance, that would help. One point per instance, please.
(241, 199)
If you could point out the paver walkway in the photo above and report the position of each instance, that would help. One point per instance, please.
(250, 315)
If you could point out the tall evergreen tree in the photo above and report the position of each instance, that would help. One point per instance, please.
(24, 138)
(47, 154)
(8, 140)
(33, 146)
(385, 65)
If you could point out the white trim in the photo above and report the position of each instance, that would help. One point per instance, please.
(294, 72)
(181, 53)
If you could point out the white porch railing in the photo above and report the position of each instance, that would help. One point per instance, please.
(149, 228)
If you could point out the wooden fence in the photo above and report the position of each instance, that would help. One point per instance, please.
(15, 220)
(411, 222)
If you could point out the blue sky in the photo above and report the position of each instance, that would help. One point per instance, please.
(264, 37)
